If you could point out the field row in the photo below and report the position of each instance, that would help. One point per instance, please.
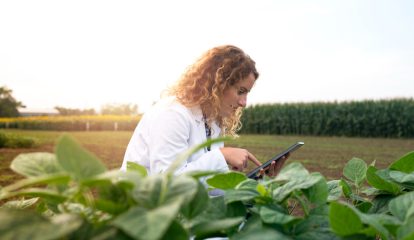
(327, 155)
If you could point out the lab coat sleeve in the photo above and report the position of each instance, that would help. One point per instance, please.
(169, 137)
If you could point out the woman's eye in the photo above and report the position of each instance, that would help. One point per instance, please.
(241, 92)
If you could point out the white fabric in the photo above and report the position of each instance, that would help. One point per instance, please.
(167, 130)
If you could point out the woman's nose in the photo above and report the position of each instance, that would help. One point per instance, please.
(243, 101)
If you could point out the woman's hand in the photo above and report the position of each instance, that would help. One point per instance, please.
(238, 158)
(274, 167)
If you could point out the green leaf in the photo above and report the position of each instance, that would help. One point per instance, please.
(303, 182)
(77, 161)
(346, 189)
(176, 232)
(20, 204)
(132, 166)
(343, 220)
(405, 179)
(110, 207)
(17, 224)
(404, 164)
(379, 182)
(198, 204)
(228, 180)
(262, 233)
(406, 230)
(46, 179)
(141, 223)
(215, 228)
(156, 190)
(273, 215)
(318, 193)
(314, 227)
(46, 194)
(185, 155)
(239, 195)
(355, 170)
(292, 171)
(35, 164)
(334, 190)
(372, 220)
(402, 206)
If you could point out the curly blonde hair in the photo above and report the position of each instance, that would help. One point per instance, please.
(204, 82)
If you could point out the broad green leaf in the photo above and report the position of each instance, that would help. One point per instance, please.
(406, 230)
(239, 195)
(379, 182)
(372, 221)
(227, 180)
(181, 187)
(318, 193)
(113, 176)
(314, 227)
(176, 232)
(355, 217)
(132, 166)
(380, 203)
(343, 220)
(364, 206)
(156, 190)
(77, 161)
(185, 155)
(197, 204)
(355, 170)
(199, 174)
(334, 190)
(46, 194)
(141, 223)
(110, 207)
(346, 189)
(402, 206)
(303, 182)
(292, 171)
(248, 184)
(149, 192)
(217, 209)
(273, 215)
(17, 224)
(405, 179)
(215, 228)
(404, 164)
(45, 179)
(263, 233)
(262, 190)
(20, 204)
(35, 164)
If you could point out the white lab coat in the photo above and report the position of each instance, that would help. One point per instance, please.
(169, 129)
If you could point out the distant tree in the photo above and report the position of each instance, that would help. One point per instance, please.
(75, 111)
(119, 109)
(8, 105)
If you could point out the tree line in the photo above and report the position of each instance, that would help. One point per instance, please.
(9, 107)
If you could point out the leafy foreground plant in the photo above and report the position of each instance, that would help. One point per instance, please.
(71, 195)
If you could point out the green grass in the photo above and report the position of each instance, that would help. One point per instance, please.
(327, 155)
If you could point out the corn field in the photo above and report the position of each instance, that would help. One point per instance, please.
(370, 118)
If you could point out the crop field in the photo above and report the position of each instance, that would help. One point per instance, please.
(327, 155)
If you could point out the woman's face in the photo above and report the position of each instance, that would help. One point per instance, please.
(235, 96)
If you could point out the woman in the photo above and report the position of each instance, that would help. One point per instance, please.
(206, 102)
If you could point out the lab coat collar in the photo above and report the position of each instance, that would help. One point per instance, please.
(199, 118)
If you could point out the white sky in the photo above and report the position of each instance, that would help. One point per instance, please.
(83, 54)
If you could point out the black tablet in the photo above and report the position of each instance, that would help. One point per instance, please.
(255, 173)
